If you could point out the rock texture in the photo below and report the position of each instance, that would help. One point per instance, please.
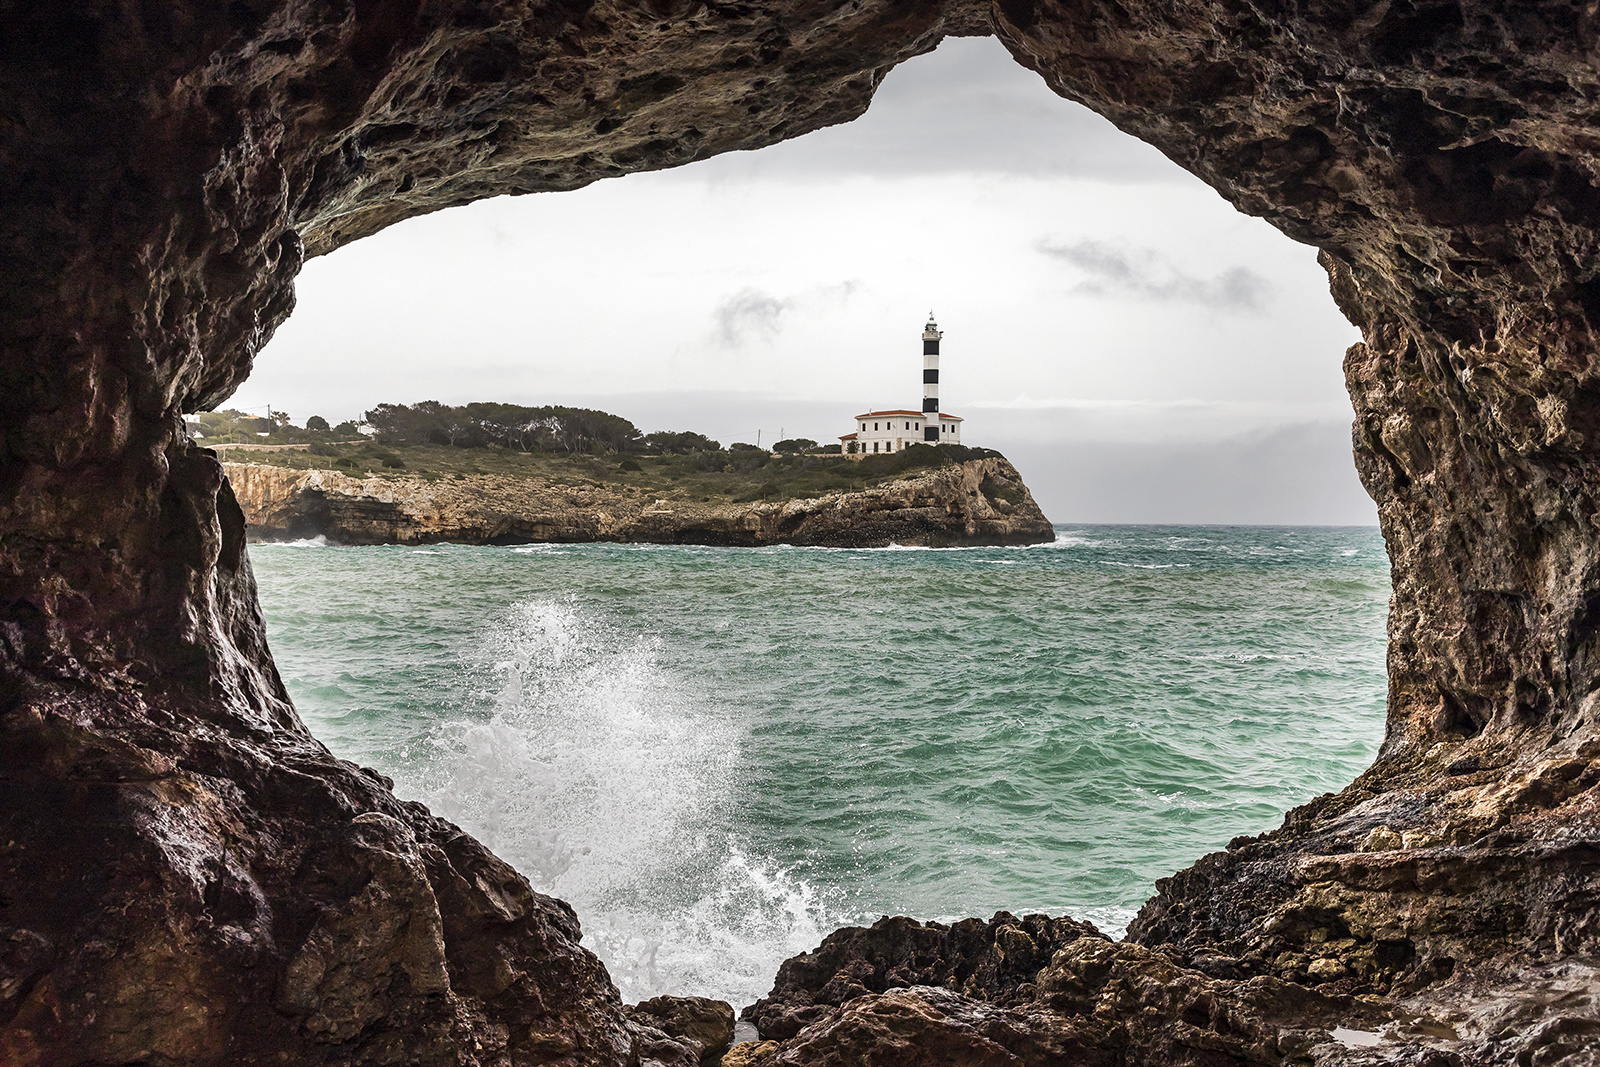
(187, 876)
(1093, 1003)
(979, 502)
(995, 962)
(704, 1025)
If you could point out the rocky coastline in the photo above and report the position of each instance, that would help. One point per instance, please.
(976, 502)
(188, 877)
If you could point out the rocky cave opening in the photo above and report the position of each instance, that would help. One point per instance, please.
(186, 876)
(506, 280)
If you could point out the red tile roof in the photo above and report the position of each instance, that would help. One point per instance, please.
(914, 414)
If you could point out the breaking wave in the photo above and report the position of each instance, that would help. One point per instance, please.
(609, 783)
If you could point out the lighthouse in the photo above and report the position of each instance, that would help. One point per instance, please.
(896, 429)
(930, 381)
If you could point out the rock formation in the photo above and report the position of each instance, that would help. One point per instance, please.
(979, 502)
(704, 1025)
(186, 876)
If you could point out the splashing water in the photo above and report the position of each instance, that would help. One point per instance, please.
(599, 775)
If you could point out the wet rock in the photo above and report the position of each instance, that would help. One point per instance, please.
(995, 961)
(1090, 1001)
(937, 1028)
(704, 1023)
(213, 898)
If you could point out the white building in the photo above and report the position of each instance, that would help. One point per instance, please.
(890, 431)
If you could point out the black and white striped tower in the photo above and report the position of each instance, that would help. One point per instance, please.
(930, 381)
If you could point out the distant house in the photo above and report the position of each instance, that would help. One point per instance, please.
(894, 429)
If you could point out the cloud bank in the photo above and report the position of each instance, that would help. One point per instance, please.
(1146, 274)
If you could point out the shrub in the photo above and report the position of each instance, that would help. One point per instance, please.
(629, 465)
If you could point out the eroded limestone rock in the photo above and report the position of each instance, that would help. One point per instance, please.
(979, 502)
(181, 865)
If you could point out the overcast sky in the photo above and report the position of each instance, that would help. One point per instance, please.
(1140, 349)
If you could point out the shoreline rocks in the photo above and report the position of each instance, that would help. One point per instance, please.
(977, 502)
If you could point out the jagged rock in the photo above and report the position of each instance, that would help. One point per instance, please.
(228, 900)
(750, 1054)
(978, 502)
(934, 1027)
(705, 1024)
(183, 876)
(996, 962)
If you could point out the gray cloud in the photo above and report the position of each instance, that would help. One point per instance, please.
(1147, 274)
(749, 313)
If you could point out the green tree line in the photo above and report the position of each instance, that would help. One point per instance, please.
(516, 427)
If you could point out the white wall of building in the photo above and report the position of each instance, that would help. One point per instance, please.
(890, 431)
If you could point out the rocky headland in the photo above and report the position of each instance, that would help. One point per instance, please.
(188, 877)
(977, 502)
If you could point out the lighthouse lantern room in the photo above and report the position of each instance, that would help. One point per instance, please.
(897, 428)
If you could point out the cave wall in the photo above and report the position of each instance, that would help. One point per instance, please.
(165, 168)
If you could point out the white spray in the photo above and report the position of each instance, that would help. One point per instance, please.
(588, 767)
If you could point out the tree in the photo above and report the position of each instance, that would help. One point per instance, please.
(317, 422)
(678, 444)
(795, 444)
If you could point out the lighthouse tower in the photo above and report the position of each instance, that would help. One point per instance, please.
(895, 429)
(930, 381)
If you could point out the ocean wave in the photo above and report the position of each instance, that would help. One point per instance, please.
(608, 781)
(319, 541)
(1143, 566)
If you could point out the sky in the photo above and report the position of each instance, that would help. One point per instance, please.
(1143, 352)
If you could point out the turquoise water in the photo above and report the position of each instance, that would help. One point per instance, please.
(719, 755)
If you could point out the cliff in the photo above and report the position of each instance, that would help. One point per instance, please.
(978, 502)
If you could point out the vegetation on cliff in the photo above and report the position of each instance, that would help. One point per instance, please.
(511, 427)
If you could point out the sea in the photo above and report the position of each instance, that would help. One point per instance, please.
(720, 755)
